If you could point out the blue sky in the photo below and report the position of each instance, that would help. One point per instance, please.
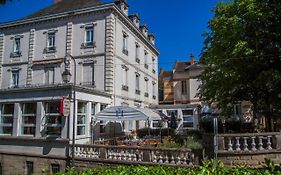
(177, 25)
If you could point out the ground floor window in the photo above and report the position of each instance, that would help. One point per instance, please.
(28, 122)
(29, 167)
(6, 118)
(53, 119)
(81, 118)
(187, 118)
(55, 168)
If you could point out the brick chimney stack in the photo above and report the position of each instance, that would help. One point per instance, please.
(192, 60)
(57, 1)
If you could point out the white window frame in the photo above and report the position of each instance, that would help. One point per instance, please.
(145, 57)
(125, 41)
(2, 115)
(137, 51)
(153, 88)
(16, 45)
(29, 125)
(89, 40)
(81, 124)
(51, 41)
(15, 78)
(125, 75)
(52, 114)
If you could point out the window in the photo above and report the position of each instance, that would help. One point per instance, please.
(237, 110)
(93, 109)
(6, 118)
(55, 168)
(81, 118)
(28, 123)
(89, 74)
(183, 87)
(146, 59)
(15, 78)
(137, 83)
(49, 75)
(187, 118)
(29, 168)
(53, 119)
(137, 53)
(146, 87)
(125, 43)
(51, 42)
(153, 90)
(16, 48)
(153, 65)
(102, 122)
(89, 36)
(125, 78)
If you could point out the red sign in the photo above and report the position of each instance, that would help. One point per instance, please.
(65, 107)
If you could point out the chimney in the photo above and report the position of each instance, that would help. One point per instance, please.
(135, 19)
(57, 1)
(144, 29)
(192, 59)
(123, 6)
(151, 38)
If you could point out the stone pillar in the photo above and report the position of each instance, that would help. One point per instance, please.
(17, 115)
(1, 55)
(88, 119)
(109, 53)
(278, 141)
(39, 120)
(30, 56)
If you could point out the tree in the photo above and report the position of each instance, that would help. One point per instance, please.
(242, 56)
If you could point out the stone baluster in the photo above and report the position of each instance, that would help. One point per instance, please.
(166, 159)
(172, 160)
(109, 154)
(160, 159)
(245, 144)
(253, 143)
(184, 160)
(260, 143)
(268, 143)
(237, 144)
(230, 144)
(178, 160)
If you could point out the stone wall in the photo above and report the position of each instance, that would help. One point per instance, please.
(18, 163)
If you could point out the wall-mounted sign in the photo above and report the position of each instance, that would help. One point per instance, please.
(65, 107)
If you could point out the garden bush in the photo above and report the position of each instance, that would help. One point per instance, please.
(211, 167)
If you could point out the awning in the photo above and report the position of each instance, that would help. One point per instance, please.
(123, 113)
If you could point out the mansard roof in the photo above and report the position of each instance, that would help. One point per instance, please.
(64, 6)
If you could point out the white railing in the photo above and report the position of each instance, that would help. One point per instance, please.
(248, 142)
(137, 154)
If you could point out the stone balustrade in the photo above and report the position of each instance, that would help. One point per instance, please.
(248, 142)
(138, 155)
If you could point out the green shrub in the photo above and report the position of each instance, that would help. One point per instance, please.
(211, 167)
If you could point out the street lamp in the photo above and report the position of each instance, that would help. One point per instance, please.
(66, 75)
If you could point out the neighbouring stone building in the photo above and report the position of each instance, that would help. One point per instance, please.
(116, 62)
(180, 85)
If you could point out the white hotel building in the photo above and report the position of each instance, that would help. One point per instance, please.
(116, 63)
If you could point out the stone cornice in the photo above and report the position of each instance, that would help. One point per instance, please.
(33, 88)
(101, 8)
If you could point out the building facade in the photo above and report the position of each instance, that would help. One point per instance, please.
(180, 85)
(116, 64)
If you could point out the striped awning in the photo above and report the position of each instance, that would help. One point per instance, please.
(124, 113)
